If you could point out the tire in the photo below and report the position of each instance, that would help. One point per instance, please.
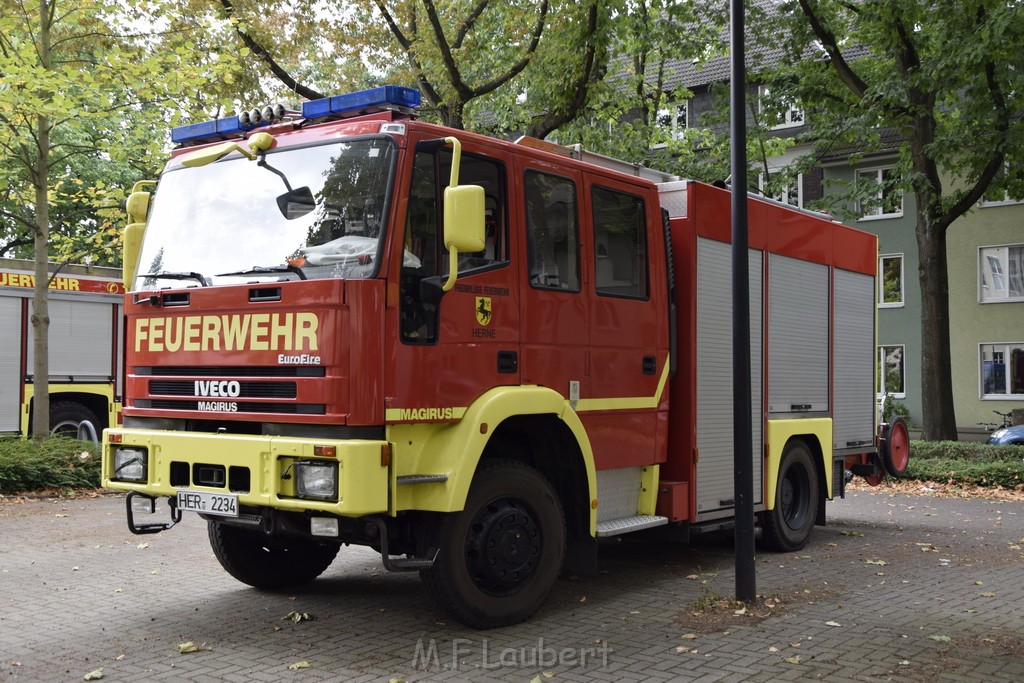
(788, 526)
(267, 562)
(499, 557)
(65, 416)
(896, 449)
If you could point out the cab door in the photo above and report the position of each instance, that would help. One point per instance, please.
(626, 411)
(452, 346)
(554, 311)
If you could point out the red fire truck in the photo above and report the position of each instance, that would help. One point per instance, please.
(84, 347)
(348, 326)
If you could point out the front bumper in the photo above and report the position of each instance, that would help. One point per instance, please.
(255, 468)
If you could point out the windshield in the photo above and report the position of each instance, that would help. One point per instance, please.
(309, 212)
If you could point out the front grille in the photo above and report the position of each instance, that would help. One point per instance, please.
(248, 389)
(231, 371)
(240, 406)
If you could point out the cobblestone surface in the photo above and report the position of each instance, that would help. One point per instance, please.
(78, 592)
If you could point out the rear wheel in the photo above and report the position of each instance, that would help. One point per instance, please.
(65, 416)
(788, 526)
(267, 562)
(499, 557)
(896, 449)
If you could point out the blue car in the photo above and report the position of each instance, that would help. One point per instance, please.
(1007, 435)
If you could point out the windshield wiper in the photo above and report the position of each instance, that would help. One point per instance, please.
(167, 275)
(262, 270)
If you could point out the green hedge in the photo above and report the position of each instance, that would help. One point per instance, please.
(55, 463)
(966, 462)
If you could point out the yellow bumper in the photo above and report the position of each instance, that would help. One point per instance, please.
(258, 465)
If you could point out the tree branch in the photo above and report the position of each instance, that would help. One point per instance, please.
(406, 44)
(454, 76)
(269, 60)
(538, 29)
(468, 23)
(828, 40)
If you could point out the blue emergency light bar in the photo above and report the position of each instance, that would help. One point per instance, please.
(340, 106)
(364, 101)
(217, 128)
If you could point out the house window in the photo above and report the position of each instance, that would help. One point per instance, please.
(784, 111)
(1001, 273)
(1002, 370)
(673, 119)
(785, 189)
(891, 379)
(890, 284)
(994, 197)
(884, 199)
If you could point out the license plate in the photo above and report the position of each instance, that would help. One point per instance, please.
(221, 504)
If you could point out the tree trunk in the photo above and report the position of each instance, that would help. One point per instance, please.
(937, 409)
(40, 302)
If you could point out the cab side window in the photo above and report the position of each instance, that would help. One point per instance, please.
(552, 232)
(425, 257)
(620, 243)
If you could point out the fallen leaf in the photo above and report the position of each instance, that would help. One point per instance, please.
(299, 665)
(548, 674)
(940, 639)
(74, 569)
(988, 595)
(93, 675)
(119, 590)
(155, 571)
(773, 649)
(792, 660)
(689, 636)
(583, 599)
(189, 647)
(396, 680)
(61, 514)
(692, 577)
(142, 546)
(971, 611)
(682, 648)
(296, 617)
(979, 583)
(880, 563)
(905, 663)
(832, 623)
(796, 644)
(851, 533)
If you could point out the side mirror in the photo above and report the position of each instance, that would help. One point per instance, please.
(296, 203)
(463, 216)
(137, 207)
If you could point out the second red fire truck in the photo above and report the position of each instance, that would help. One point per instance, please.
(348, 326)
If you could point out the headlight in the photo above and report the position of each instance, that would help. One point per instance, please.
(999, 433)
(316, 480)
(130, 464)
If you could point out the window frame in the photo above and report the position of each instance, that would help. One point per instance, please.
(1004, 273)
(787, 109)
(672, 108)
(879, 172)
(1006, 348)
(575, 238)
(784, 197)
(881, 281)
(643, 257)
(880, 377)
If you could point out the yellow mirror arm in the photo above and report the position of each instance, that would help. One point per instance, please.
(453, 252)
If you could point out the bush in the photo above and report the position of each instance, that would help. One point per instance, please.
(55, 463)
(966, 462)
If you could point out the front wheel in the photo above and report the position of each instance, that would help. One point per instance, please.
(788, 526)
(268, 562)
(66, 416)
(499, 557)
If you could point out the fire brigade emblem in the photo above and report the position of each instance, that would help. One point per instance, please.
(483, 310)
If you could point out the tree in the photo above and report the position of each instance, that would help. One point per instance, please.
(81, 90)
(945, 78)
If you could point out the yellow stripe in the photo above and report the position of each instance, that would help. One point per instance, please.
(627, 402)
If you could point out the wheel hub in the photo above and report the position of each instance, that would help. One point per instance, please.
(503, 547)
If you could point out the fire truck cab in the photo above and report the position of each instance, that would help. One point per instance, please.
(475, 356)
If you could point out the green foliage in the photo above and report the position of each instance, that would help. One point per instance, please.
(55, 463)
(964, 462)
(891, 407)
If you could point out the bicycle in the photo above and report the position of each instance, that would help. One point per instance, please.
(991, 426)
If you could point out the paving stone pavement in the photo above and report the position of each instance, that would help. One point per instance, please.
(78, 592)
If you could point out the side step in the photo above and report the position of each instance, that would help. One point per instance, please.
(614, 527)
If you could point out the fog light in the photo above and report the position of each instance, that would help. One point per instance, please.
(143, 504)
(323, 526)
(316, 480)
(130, 464)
